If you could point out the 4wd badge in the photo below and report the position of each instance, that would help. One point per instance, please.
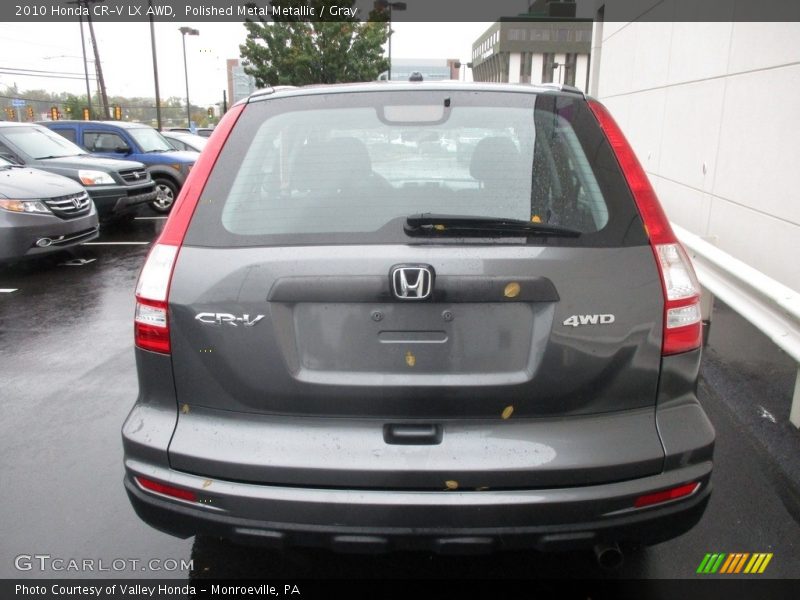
(577, 320)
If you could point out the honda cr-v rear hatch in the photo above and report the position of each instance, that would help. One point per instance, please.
(403, 288)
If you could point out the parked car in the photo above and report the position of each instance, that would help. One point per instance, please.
(340, 348)
(181, 140)
(117, 187)
(201, 131)
(134, 141)
(41, 213)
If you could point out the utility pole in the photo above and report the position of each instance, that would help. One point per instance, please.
(98, 67)
(155, 66)
(97, 64)
(85, 69)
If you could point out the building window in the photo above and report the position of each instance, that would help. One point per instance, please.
(540, 35)
(516, 35)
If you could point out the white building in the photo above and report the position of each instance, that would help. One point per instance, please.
(545, 45)
(240, 84)
(712, 111)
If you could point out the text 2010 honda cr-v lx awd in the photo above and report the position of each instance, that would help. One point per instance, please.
(438, 316)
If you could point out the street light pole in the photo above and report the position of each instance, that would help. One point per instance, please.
(558, 66)
(184, 32)
(390, 42)
(392, 6)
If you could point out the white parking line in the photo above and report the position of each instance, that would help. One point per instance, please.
(148, 218)
(7, 290)
(115, 243)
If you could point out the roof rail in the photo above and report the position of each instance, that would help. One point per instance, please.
(561, 87)
(268, 91)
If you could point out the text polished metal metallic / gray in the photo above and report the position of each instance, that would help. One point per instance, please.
(412, 282)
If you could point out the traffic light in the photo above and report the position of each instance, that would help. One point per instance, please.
(30, 113)
(118, 113)
(54, 113)
(86, 115)
(210, 112)
(9, 112)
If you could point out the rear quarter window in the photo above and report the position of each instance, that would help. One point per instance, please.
(350, 167)
(68, 134)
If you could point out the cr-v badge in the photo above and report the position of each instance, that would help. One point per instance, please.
(219, 318)
(576, 320)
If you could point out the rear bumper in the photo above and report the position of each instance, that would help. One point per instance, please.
(384, 511)
(442, 522)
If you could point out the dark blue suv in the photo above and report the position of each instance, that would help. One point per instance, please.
(133, 141)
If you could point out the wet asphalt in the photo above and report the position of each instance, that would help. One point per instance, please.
(68, 381)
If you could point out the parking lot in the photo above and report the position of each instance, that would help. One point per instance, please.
(69, 380)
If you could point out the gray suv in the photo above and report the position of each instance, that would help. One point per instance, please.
(349, 335)
(41, 213)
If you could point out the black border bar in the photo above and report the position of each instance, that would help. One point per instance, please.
(415, 11)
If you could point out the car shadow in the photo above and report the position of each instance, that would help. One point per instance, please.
(214, 558)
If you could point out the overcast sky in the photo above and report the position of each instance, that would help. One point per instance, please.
(127, 62)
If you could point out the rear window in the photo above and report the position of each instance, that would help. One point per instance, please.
(350, 167)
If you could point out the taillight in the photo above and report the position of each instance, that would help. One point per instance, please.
(151, 319)
(166, 490)
(682, 491)
(151, 324)
(682, 322)
(682, 330)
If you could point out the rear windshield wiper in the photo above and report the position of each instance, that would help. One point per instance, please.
(433, 224)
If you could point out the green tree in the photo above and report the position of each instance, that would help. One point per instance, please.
(73, 107)
(292, 50)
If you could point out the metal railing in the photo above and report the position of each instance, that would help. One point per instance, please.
(768, 304)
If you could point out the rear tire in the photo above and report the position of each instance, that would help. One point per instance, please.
(167, 192)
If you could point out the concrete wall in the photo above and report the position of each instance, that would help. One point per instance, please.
(713, 112)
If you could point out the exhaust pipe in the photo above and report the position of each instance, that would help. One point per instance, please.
(608, 555)
(44, 242)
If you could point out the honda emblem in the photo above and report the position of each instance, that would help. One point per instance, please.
(412, 282)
